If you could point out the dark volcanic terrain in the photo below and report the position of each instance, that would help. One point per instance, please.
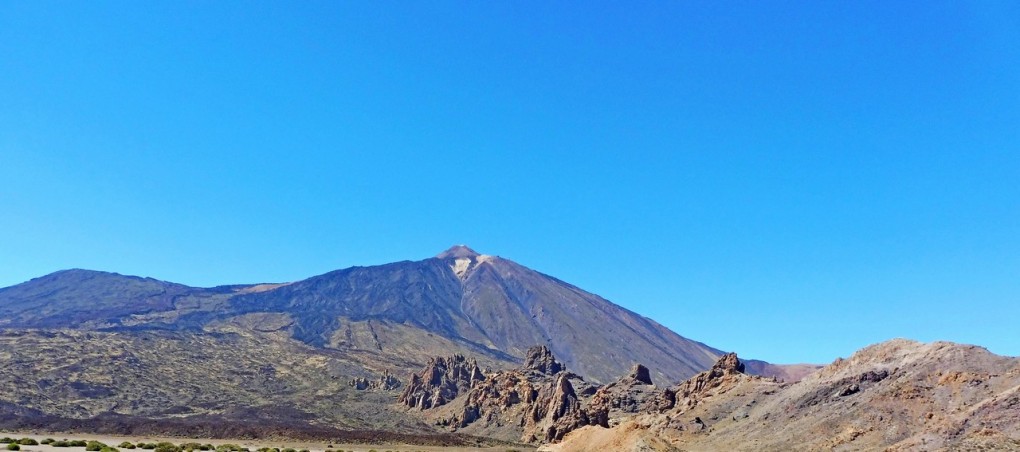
(399, 313)
(460, 349)
(329, 352)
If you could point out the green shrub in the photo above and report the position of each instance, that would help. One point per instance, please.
(62, 443)
(289, 450)
(94, 446)
(166, 447)
(13, 446)
(109, 449)
(6, 440)
(147, 446)
(47, 441)
(28, 442)
(77, 443)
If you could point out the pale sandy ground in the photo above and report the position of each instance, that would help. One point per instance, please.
(111, 440)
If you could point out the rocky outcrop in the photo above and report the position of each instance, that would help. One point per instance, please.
(442, 380)
(537, 402)
(540, 359)
(385, 382)
(691, 391)
(563, 414)
(899, 395)
(639, 374)
(632, 394)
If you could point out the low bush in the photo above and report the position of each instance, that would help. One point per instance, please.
(94, 446)
(166, 447)
(6, 440)
(149, 446)
(13, 446)
(47, 441)
(28, 442)
(77, 443)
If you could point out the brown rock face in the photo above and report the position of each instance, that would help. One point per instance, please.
(640, 374)
(538, 402)
(724, 371)
(630, 395)
(541, 360)
(440, 382)
(728, 364)
(564, 412)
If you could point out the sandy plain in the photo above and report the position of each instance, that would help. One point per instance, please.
(253, 445)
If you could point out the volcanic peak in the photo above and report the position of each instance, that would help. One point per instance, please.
(458, 252)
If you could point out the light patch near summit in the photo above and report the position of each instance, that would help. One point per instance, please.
(463, 265)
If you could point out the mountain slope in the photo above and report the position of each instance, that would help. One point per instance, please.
(488, 301)
(486, 305)
(85, 298)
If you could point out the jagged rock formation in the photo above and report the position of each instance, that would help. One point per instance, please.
(723, 373)
(898, 395)
(442, 380)
(639, 374)
(537, 402)
(562, 415)
(540, 359)
(632, 394)
(385, 382)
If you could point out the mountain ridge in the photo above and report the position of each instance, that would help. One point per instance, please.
(487, 303)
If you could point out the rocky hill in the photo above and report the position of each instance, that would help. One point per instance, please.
(898, 395)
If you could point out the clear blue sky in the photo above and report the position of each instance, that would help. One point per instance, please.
(789, 180)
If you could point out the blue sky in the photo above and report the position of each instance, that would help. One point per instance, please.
(789, 180)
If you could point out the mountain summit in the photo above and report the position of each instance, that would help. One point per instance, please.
(460, 301)
(458, 252)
